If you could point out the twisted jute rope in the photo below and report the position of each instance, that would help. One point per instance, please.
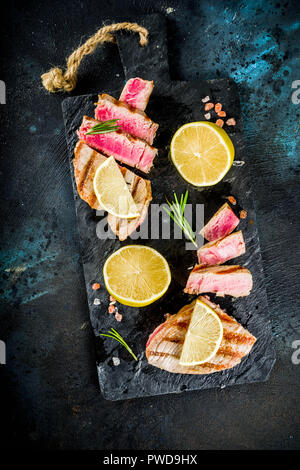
(57, 80)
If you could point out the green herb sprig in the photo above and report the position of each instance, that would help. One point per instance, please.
(115, 335)
(177, 214)
(104, 127)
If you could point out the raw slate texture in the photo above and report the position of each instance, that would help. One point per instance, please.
(171, 105)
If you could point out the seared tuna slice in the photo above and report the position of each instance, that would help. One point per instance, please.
(220, 251)
(131, 120)
(85, 163)
(137, 92)
(164, 345)
(222, 280)
(221, 224)
(134, 152)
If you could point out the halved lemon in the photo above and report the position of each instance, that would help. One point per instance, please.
(203, 337)
(112, 191)
(136, 275)
(202, 152)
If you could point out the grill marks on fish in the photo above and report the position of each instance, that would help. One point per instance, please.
(85, 164)
(165, 344)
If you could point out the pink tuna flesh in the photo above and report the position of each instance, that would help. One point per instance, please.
(121, 146)
(222, 250)
(132, 121)
(221, 224)
(137, 92)
(222, 280)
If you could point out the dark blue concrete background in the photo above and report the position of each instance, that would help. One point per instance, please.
(49, 391)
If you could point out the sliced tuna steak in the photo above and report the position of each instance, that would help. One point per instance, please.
(164, 346)
(222, 280)
(222, 223)
(131, 120)
(141, 192)
(222, 250)
(85, 163)
(130, 150)
(137, 92)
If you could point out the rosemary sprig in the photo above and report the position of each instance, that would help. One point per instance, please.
(177, 214)
(104, 127)
(115, 335)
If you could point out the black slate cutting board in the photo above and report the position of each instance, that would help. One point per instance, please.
(172, 104)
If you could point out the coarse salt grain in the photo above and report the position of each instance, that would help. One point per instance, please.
(111, 309)
(231, 122)
(97, 302)
(207, 116)
(206, 99)
(220, 122)
(232, 200)
(218, 107)
(96, 286)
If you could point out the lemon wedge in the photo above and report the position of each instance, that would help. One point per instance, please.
(136, 275)
(112, 191)
(202, 152)
(203, 337)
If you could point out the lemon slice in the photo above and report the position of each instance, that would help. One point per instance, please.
(203, 337)
(112, 191)
(136, 275)
(202, 152)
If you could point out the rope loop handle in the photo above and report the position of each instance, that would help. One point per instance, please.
(57, 80)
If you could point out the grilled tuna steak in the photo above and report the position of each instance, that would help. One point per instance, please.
(85, 163)
(131, 120)
(222, 250)
(141, 193)
(222, 223)
(222, 280)
(130, 150)
(164, 345)
(137, 92)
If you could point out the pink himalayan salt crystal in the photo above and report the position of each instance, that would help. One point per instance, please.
(136, 92)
